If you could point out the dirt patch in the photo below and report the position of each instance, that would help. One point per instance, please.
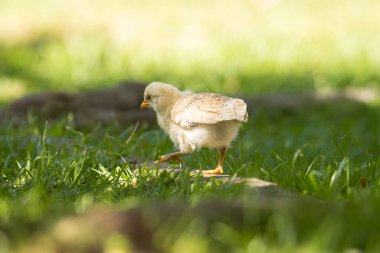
(121, 104)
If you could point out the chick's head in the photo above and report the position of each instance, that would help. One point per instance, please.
(160, 97)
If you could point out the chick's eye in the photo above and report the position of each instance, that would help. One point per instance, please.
(148, 97)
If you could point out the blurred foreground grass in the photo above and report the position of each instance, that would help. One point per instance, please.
(234, 47)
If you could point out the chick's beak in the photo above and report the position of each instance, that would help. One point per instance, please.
(144, 104)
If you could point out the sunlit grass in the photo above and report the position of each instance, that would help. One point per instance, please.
(50, 170)
(327, 153)
(11, 89)
(245, 46)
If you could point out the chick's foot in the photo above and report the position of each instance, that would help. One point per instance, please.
(216, 171)
(170, 157)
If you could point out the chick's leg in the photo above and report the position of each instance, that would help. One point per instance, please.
(172, 156)
(219, 167)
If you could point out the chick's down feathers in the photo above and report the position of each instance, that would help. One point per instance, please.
(195, 120)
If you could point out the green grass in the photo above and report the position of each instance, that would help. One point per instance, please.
(244, 47)
(51, 170)
(328, 154)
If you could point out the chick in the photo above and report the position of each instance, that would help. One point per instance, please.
(195, 120)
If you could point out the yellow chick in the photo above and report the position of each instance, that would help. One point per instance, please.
(195, 120)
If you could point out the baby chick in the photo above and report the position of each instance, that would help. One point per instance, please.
(195, 120)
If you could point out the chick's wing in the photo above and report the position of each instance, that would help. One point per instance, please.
(208, 108)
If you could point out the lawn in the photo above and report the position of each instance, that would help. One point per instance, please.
(247, 46)
(326, 156)
(51, 170)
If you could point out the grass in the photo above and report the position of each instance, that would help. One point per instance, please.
(51, 170)
(327, 154)
(287, 46)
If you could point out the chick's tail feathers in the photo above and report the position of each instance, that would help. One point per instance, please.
(240, 108)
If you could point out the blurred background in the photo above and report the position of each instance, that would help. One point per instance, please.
(243, 46)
